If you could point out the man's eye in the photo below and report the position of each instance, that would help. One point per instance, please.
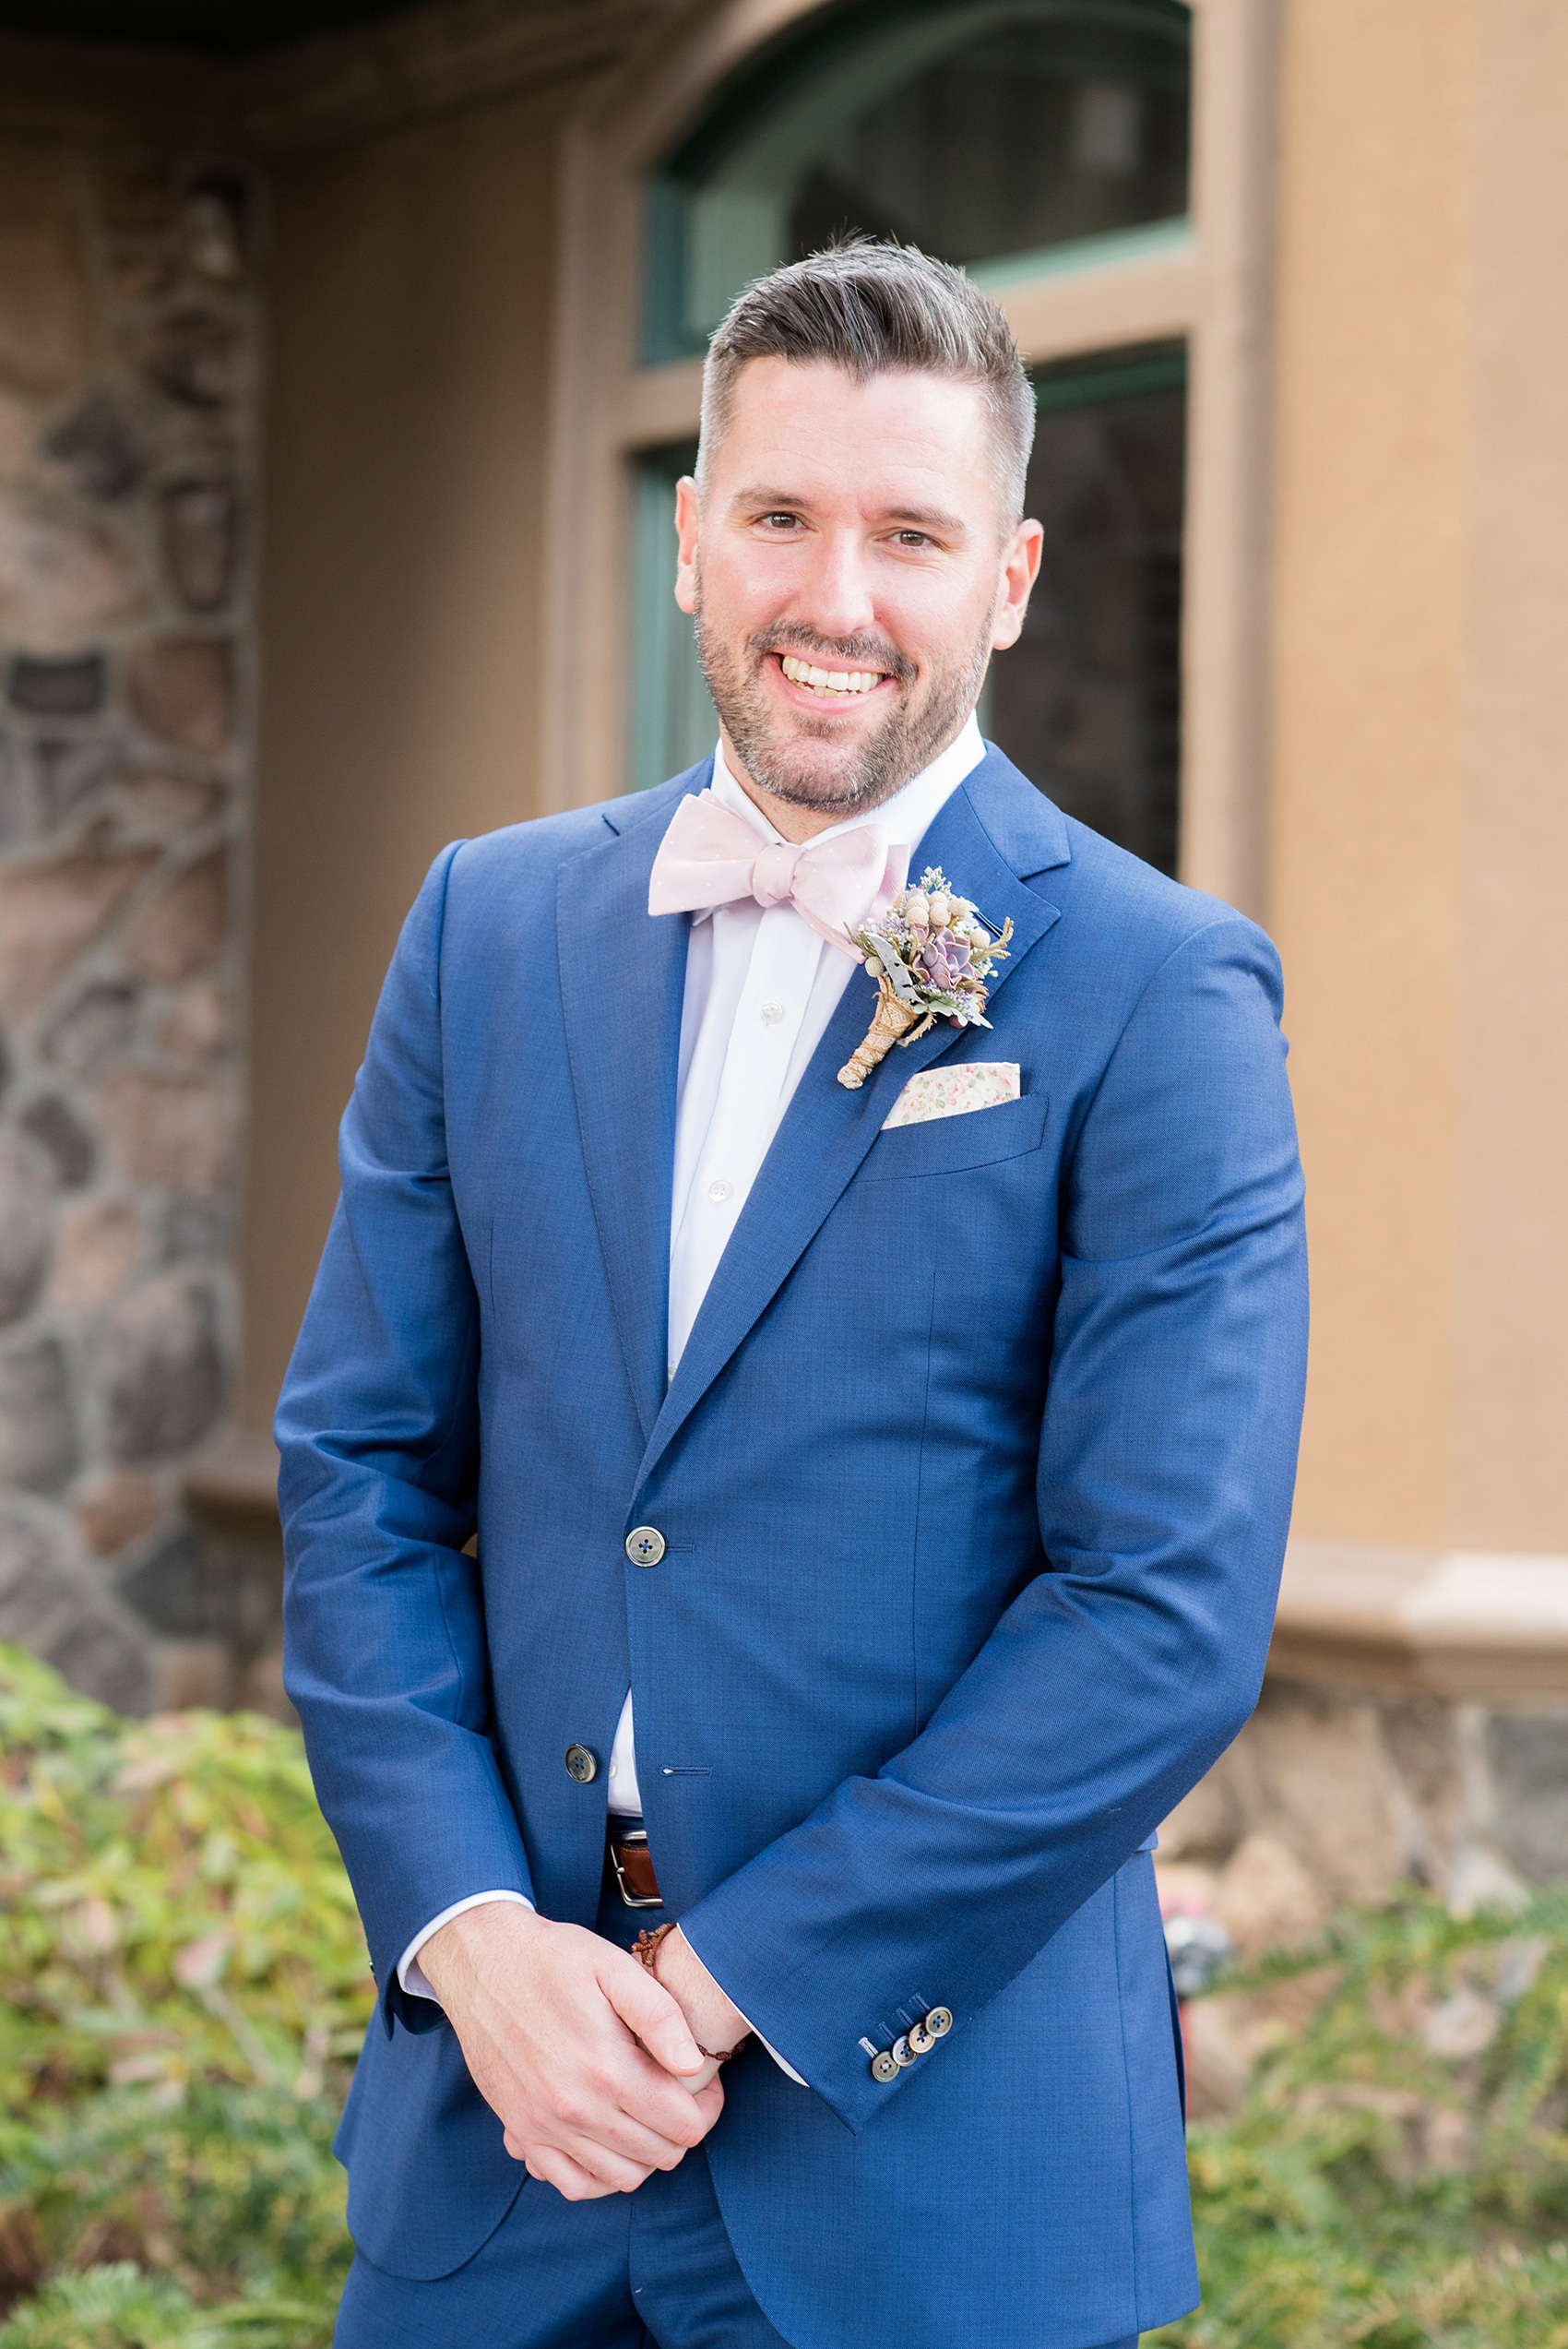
(780, 521)
(914, 538)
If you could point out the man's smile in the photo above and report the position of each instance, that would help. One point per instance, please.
(822, 682)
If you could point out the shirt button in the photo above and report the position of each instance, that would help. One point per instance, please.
(644, 1545)
(581, 1764)
(718, 1192)
(773, 1013)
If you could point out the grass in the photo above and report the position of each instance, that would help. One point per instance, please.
(1397, 2177)
(183, 1988)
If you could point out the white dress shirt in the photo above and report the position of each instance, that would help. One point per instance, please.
(761, 987)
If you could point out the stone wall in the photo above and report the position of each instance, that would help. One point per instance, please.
(1342, 1792)
(130, 361)
(1366, 1788)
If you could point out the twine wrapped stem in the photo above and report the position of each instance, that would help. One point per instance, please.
(894, 1023)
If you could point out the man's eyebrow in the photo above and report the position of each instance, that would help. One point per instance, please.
(764, 500)
(768, 500)
(924, 518)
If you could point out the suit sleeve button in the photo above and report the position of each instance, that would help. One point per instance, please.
(939, 2023)
(921, 2040)
(883, 2068)
(581, 1764)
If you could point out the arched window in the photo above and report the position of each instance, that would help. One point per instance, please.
(1020, 138)
(1020, 132)
(1106, 168)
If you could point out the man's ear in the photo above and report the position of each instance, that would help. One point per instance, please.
(687, 522)
(1020, 569)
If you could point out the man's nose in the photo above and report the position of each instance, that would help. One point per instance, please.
(836, 599)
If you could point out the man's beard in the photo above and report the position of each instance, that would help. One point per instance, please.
(908, 740)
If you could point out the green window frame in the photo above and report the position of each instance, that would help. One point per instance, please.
(713, 213)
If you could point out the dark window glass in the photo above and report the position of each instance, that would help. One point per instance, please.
(1006, 132)
(1088, 701)
(671, 721)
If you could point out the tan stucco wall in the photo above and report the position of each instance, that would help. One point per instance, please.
(401, 610)
(1368, 635)
(1417, 885)
(1510, 1397)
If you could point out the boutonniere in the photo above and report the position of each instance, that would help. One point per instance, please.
(931, 956)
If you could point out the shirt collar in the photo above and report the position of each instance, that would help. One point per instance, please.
(907, 817)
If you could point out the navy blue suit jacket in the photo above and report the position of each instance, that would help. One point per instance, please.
(975, 1477)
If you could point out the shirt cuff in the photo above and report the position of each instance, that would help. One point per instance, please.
(412, 1976)
(788, 2070)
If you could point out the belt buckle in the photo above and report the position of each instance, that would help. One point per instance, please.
(631, 1838)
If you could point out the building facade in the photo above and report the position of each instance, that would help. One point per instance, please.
(345, 373)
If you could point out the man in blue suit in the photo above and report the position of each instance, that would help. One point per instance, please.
(766, 1549)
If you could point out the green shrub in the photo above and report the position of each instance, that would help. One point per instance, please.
(183, 1989)
(183, 1986)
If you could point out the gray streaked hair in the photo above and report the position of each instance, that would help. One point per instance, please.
(874, 308)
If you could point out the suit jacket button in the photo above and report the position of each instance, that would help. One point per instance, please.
(939, 2023)
(581, 1764)
(902, 2052)
(883, 2068)
(921, 2040)
(644, 1545)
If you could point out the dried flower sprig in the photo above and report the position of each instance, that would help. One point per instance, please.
(931, 955)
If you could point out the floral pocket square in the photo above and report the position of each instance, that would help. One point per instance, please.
(951, 1092)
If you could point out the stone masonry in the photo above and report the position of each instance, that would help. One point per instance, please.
(129, 355)
(1337, 1793)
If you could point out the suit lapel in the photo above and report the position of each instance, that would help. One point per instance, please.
(623, 981)
(827, 1130)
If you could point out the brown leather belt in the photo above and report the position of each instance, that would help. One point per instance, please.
(633, 1864)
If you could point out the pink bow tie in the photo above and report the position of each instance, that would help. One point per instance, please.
(711, 856)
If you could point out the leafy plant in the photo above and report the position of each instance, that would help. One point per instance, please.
(184, 1985)
(182, 1989)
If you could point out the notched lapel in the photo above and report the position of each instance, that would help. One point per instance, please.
(827, 1129)
(623, 981)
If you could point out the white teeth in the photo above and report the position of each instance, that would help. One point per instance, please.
(802, 672)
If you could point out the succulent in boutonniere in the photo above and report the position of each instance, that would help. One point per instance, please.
(931, 956)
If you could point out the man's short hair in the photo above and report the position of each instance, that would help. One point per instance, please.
(872, 309)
